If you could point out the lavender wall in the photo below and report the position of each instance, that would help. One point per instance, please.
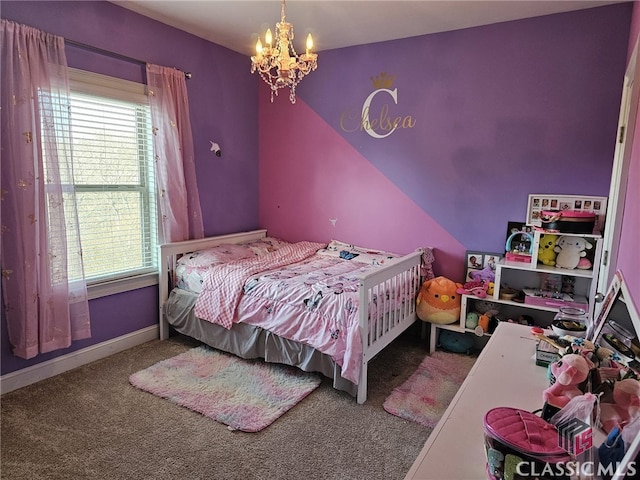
(223, 105)
(498, 112)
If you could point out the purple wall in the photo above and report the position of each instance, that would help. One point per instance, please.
(500, 111)
(223, 105)
(497, 112)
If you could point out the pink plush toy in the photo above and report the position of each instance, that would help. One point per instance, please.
(626, 395)
(570, 371)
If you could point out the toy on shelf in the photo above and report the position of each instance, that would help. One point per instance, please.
(569, 371)
(520, 252)
(546, 252)
(479, 288)
(438, 301)
(487, 274)
(571, 252)
(471, 320)
(487, 312)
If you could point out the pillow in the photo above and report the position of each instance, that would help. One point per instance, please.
(266, 245)
(357, 254)
(216, 255)
(228, 252)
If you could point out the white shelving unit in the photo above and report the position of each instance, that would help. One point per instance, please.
(530, 275)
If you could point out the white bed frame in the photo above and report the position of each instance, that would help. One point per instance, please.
(377, 333)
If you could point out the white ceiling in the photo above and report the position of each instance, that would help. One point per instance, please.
(236, 24)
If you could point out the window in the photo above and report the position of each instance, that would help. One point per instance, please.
(113, 175)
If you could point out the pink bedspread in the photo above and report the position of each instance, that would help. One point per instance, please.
(314, 302)
(298, 295)
(222, 286)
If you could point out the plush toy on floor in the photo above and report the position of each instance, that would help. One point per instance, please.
(455, 342)
(569, 371)
(438, 302)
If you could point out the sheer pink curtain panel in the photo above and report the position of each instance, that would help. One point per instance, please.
(179, 202)
(46, 305)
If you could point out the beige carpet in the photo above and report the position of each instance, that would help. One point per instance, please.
(90, 423)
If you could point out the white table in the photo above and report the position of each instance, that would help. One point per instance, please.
(505, 375)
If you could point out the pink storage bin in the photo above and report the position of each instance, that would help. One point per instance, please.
(512, 435)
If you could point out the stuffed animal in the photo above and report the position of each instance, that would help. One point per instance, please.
(546, 252)
(570, 251)
(570, 371)
(455, 342)
(626, 406)
(478, 288)
(471, 321)
(485, 306)
(487, 274)
(438, 301)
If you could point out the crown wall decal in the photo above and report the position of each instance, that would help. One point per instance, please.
(383, 80)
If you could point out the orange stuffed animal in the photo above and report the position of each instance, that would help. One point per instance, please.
(438, 302)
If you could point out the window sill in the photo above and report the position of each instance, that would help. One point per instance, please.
(122, 285)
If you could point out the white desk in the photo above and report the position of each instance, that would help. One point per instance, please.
(505, 375)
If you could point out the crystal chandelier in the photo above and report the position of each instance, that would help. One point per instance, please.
(280, 66)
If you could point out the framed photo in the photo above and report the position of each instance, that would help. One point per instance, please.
(476, 261)
(584, 203)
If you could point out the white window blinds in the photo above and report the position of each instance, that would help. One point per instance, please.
(113, 176)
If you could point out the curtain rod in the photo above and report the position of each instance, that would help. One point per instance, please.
(107, 53)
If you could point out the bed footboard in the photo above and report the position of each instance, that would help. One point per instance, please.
(391, 293)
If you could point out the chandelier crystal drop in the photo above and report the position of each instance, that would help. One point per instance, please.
(279, 65)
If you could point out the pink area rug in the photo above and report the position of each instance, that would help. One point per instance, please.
(246, 395)
(426, 394)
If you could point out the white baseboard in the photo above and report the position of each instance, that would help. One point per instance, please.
(35, 373)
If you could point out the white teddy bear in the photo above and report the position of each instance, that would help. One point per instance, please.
(571, 251)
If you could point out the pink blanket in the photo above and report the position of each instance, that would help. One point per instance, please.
(222, 286)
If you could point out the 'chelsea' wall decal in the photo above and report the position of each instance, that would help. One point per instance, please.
(382, 125)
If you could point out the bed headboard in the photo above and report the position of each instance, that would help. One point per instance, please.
(169, 253)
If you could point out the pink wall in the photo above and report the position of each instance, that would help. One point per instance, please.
(629, 254)
(311, 179)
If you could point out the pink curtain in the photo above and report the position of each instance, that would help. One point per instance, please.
(173, 145)
(43, 285)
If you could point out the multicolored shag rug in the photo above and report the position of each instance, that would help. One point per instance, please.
(426, 394)
(246, 395)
